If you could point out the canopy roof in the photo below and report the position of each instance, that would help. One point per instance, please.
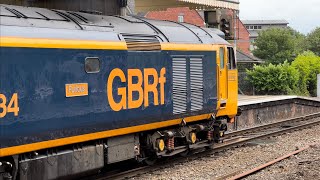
(148, 5)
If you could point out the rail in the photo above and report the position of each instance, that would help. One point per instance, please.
(297, 123)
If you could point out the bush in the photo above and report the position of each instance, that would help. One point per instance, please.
(308, 65)
(274, 79)
(299, 78)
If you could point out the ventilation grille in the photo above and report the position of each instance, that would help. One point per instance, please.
(179, 85)
(142, 42)
(196, 83)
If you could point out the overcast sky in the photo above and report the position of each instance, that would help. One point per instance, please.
(303, 15)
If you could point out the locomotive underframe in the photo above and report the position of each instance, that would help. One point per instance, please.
(87, 158)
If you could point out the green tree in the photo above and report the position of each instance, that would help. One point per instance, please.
(277, 45)
(308, 65)
(313, 41)
(274, 79)
(300, 43)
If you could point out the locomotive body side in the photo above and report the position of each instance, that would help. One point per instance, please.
(40, 76)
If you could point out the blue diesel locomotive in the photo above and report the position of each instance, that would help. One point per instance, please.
(79, 91)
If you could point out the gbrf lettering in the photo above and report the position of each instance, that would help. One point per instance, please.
(126, 93)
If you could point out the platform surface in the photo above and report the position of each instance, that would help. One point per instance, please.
(247, 100)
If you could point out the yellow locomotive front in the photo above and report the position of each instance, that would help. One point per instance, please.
(227, 76)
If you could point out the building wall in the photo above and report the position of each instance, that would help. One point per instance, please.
(255, 32)
(273, 26)
(171, 14)
(267, 26)
(243, 35)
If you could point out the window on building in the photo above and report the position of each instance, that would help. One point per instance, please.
(180, 19)
(247, 27)
(255, 27)
(259, 27)
(251, 27)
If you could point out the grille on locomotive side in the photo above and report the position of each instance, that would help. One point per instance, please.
(196, 83)
(142, 42)
(179, 85)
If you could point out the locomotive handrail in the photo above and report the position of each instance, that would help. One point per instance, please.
(186, 28)
(227, 80)
(218, 82)
(199, 28)
(67, 17)
(157, 30)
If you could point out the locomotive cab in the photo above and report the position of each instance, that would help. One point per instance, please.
(227, 83)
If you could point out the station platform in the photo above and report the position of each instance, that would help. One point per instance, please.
(248, 100)
(258, 110)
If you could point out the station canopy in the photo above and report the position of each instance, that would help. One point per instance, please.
(158, 5)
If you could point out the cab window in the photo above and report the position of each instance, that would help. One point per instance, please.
(231, 59)
(221, 58)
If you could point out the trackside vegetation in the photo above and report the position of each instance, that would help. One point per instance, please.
(274, 79)
(299, 77)
(292, 62)
(308, 66)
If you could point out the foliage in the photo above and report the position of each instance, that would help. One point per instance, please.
(298, 78)
(280, 46)
(277, 45)
(300, 43)
(308, 65)
(313, 41)
(274, 79)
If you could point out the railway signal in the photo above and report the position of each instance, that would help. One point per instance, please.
(225, 27)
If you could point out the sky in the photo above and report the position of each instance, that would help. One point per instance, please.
(303, 16)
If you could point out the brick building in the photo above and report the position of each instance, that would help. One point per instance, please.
(243, 37)
(184, 14)
(181, 14)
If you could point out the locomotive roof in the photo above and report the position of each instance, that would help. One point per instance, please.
(45, 23)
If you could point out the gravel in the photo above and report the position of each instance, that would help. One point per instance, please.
(222, 165)
(305, 165)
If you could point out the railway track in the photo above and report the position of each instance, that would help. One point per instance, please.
(231, 140)
(256, 169)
